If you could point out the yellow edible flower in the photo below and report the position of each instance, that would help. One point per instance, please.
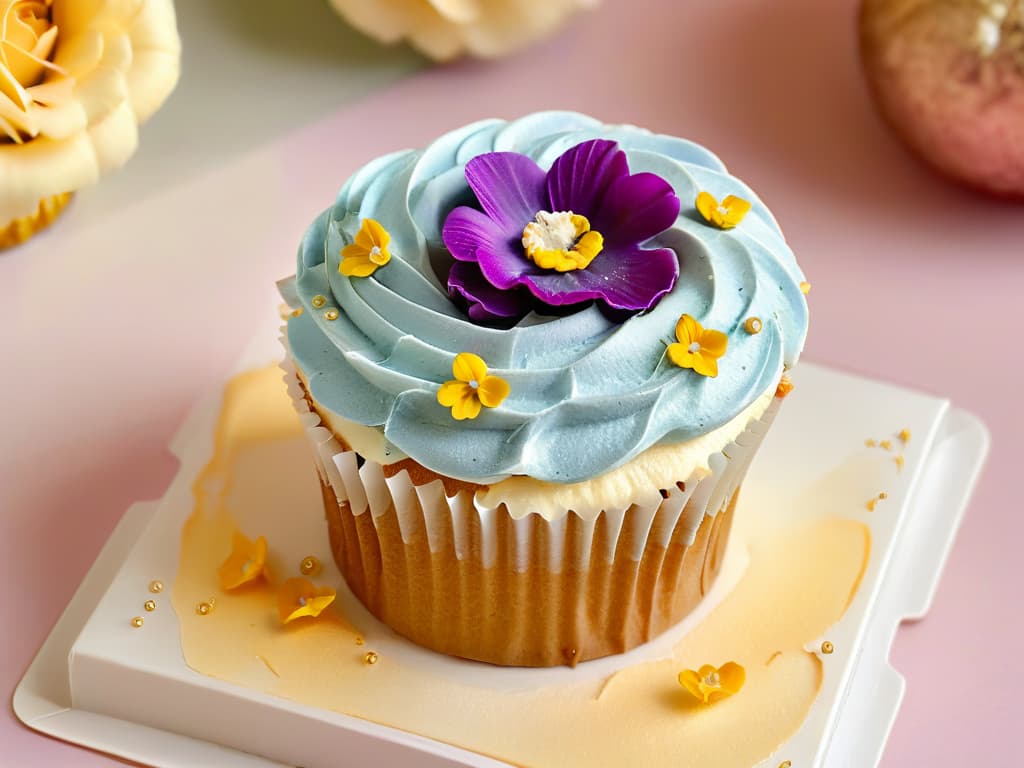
(244, 564)
(300, 597)
(367, 252)
(724, 215)
(697, 348)
(710, 683)
(472, 388)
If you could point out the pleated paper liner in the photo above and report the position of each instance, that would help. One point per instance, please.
(471, 581)
(19, 230)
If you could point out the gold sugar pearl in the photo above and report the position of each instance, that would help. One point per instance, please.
(203, 609)
(331, 314)
(319, 301)
(297, 312)
(786, 764)
(886, 444)
(370, 658)
(149, 605)
(827, 647)
(137, 622)
(156, 587)
(805, 287)
(905, 435)
(310, 566)
(359, 640)
(883, 495)
(753, 325)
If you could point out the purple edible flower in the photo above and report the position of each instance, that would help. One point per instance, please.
(563, 237)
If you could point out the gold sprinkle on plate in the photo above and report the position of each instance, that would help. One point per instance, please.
(370, 658)
(331, 314)
(149, 605)
(138, 622)
(156, 587)
(319, 301)
(827, 647)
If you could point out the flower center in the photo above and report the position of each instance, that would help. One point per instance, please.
(303, 601)
(376, 256)
(694, 347)
(712, 680)
(562, 241)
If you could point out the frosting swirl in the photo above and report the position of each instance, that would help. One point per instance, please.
(587, 393)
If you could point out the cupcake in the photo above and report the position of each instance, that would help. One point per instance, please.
(534, 361)
(76, 79)
(444, 31)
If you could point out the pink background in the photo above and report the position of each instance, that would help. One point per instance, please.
(915, 281)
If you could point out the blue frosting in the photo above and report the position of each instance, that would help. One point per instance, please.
(587, 393)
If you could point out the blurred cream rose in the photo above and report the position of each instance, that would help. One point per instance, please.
(76, 79)
(444, 29)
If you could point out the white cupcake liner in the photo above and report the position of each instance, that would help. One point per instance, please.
(616, 571)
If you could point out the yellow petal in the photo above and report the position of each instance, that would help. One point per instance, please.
(355, 251)
(452, 392)
(705, 365)
(467, 407)
(707, 205)
(357, 266)
(492, 391)
(379, 236)
(300, 597)
(690, 680)
(732, 676)
(738, 209)
(244, 564)
(688, 330)
(469, 367)
(681, 355)
(713, 343)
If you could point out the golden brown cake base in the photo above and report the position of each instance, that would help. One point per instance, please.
(533, 617)
(20, 230)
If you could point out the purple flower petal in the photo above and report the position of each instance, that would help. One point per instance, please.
(486, 303)
(636, 208)
(629, 278)
(510, 188)
(467, 230)
(579, 178)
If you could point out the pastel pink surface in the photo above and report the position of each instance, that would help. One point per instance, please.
(914, 281)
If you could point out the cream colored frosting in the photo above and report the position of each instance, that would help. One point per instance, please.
(636, 482)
